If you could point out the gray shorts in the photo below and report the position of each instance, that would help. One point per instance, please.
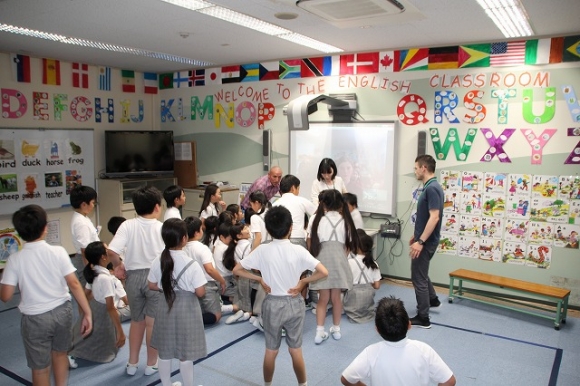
(283, 312)
(143, 301)
(298, 241)
(231, 286)
(211, 300)
(46, 332)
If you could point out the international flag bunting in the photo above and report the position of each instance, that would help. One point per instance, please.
(213, 76)
(543, 51)
(269, 70)
(150, 83)
(105, 78)
(21, 67)
(386, 61)
(166, 81)
(354, 64)
(474, 55)
(196, 78)
(51, 72)
(128, 79)
(441, 58)
(414, 59)
(230, 74)
(80, 75)
(181, 79)
(315, 67)
(289, 69)
(571, 49)
(508, 53)
(250, 72)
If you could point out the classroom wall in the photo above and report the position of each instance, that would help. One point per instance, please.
(227, 120)
(52, 108)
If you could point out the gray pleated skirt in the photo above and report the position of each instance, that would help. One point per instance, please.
(99, 346)
(359, 303)
(178, 333)
(334, 257)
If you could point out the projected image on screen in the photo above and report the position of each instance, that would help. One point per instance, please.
(364, 154)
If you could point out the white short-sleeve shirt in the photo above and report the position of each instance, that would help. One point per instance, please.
(407, 362)
(357, 219)
(218, 256)
(200, 253)
(191, 279)
(257, 225)
(172, 212)
(83, 231)
(325, 229)
(39, 271)
(209, 211)
(103, 286)
(142, 239)
(298, 207)
(372, 275)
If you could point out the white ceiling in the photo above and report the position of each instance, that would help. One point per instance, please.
(157, 26)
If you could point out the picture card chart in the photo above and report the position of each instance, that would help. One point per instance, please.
(42, 166)
(509, 218)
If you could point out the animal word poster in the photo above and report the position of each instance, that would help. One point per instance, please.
(41, 166)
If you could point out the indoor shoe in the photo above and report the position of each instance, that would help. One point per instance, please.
(245, 317)
(176, 384)
(258, 324)
(131, 369)
(71, 362)
(335, 331)
(421, 322)
(283, 332)
(150, 370)
(235, 317)
(435, 303)
(320, 337)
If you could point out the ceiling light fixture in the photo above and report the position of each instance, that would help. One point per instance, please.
(102, 46)
(509, 16)
(247, 21)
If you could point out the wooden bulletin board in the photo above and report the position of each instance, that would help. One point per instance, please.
(185, 164)
(42, 166)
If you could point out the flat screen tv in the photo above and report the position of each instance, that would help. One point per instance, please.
(138, 153)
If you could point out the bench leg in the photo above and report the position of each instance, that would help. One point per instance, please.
(460, 287)
(565, 311)
(558, 319)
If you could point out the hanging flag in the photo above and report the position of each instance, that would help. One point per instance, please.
(269, 70)
(474, 55)
(51, 72)
(21, 67)
(150, 83)
(128, 79)
(386, 61)
(414, 59)
(213, 76)
(571, 49)
(105, 78)
(181, 79)
(508, 53)
(166, 80)
(315, 67)
(354, 64)
(230, 74)
(196, 78)
(80, 75)
(289, 69)
(250, 72)
(441, 58)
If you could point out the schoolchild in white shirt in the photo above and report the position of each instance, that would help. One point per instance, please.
(174, 196)
(83, 200)
(259, 204)
(352, 202)
(237, 250)
(212, 204)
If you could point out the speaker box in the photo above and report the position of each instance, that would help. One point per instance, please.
(266, 148)
(421, 143)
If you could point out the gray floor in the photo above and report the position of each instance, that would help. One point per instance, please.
(483, 345)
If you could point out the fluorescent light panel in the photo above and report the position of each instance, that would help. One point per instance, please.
(509, 16)
(100, 45)
(262, 26)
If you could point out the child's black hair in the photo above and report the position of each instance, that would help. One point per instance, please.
(172, 193)
(173, 231)
(229, 259)
(193, 224)
(114, 224)
(210, 190)
(366, 247)
(210, 234)
(80, 194)
(93, 253)
(30, 222)
(234, 209)
(226, 218)
(278, 222)
(350, 199)
(145, 199)
(288, 182)
(259, 196)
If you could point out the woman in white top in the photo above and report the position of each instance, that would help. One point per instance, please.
(175, 198)
(107, 336)
(326, 178)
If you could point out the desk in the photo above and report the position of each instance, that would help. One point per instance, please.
(194, 199)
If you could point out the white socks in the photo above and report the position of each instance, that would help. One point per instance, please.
(186, 369)
(227, 308)
(164, 366)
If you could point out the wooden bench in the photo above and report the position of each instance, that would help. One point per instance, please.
(553, 294)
